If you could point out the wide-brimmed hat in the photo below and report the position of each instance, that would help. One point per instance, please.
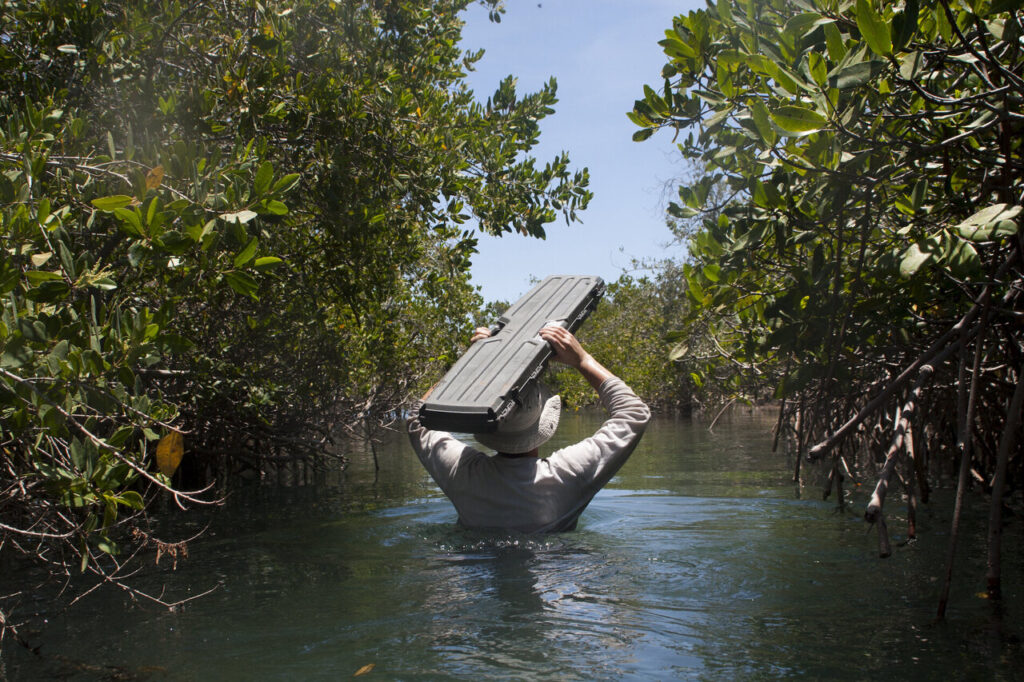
(532, 423)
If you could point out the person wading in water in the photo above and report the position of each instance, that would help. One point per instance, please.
(517, 489)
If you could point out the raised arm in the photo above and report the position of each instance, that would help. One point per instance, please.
(569, 351)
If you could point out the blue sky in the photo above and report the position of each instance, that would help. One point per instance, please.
(602, 52)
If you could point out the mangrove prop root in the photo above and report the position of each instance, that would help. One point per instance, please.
(937, 352)
(908, 486)
(884, 547)
(840, 497)
(777, 431)
(920, 473)
(965, 419)
(931, 356)
(874, 508)
(995, 519)
(828, 483)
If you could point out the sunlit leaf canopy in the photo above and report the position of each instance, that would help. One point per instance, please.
(247, 223)
(854, 142)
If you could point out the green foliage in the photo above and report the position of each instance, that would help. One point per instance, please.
(244, 222)
(872, 156)
(860, 207)
(626, 333)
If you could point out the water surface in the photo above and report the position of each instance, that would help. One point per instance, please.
(701, 560)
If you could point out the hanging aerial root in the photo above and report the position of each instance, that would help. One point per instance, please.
(908, 486)
(966, 402)
(995, 519)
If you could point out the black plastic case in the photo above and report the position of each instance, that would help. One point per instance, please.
(481, 388)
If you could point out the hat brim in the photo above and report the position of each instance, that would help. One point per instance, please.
(533, 435)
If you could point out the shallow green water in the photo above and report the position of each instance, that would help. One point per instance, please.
(699, 561)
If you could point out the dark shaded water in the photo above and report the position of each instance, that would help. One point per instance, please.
(699, 561)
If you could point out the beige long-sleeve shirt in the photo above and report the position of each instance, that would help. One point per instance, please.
(530, 494)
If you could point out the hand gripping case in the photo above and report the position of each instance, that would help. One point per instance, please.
(482, 387)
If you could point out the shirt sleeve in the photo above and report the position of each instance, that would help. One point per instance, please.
(594, 461)
(441, 453)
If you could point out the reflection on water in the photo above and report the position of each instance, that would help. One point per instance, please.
(697, 562)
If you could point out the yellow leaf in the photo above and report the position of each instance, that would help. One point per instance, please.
(168, 453)
(154, 177)
(365, 669)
